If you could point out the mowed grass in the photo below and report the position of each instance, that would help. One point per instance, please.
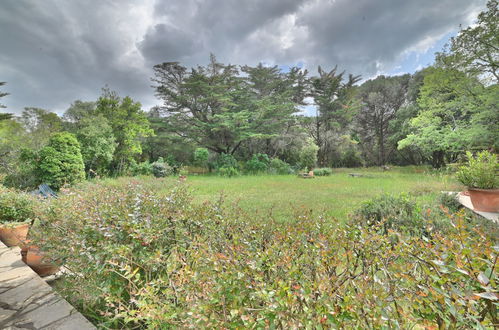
(336, 195)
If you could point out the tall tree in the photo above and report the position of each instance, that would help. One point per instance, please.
(476, 48)
(333, 98)
(381, 99)
(129, 125)
(456, 112)
(217, 108)
(40, 124)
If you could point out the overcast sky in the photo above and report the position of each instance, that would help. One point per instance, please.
(53, 52)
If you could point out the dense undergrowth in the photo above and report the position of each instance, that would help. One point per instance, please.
(137, 259)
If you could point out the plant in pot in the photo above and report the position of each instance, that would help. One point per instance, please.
(16, 215)
(33, 251)
(480, 176)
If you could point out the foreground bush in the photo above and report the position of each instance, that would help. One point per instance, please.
(139, 260)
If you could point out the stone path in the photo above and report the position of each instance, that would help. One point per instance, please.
(28, 302)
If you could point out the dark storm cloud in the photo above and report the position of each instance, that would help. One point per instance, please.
(53, 52)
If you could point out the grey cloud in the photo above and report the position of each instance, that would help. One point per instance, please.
(55, 51)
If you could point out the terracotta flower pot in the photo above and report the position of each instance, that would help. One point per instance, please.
(35, 259)
(484, 200)
(12, 234)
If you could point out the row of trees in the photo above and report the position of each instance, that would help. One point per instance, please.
(431, 116)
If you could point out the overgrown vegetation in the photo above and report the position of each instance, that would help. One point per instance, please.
(139, 259)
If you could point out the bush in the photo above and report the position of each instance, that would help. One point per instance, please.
(143, 168)
(143, 260)
(258, 163)
(226, 160)
(15, 206)
(201, 157)
(308, 156)
(228, 171)
(278, 166)
(60, 162)
(160, 169)
(481, 171)
(322, 171)
(449, 201)
(391, 212)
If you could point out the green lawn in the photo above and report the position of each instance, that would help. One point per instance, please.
(337, 194)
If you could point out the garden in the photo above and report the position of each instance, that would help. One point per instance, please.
(227, 206)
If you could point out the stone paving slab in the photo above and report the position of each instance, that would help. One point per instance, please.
(28, 302)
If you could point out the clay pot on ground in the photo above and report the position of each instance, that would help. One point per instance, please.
(36, 260)
(13, 234)
(484, 200)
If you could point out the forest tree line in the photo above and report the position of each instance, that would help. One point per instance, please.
(248, 112)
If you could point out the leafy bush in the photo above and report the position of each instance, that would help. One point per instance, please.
(143, 168)
(323, 171)
(308, 155)
(201, 157)
(259, 163)
(142, 260)
(390, 212)
(351, 158)
(228, 171)
(60, 162)
(160, 169)
(481, 171)
(226, 160)
(15, 206)
(449, 201)
(278, 166)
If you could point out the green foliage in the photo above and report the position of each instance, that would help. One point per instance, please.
(449, 201)
(388, 212)
(160, 168)
(2, 94)
(308, 155)
(228, 171)
(226, 160)
(143, 260)
(480, 172)
(201, 157)
(129, 125)
(15, 206)
(142, 168)
(325, 171)
(277, 166)
(220, 109)
(60, 162)
(259, 163)
(97, 143)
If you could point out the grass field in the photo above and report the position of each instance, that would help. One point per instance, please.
(337, 195)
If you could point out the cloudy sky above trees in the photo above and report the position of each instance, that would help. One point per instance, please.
(55, 51)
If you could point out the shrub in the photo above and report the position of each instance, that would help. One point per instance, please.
(15, 206)
(278, 166)
(143, 168)
(228, 171)
(449, 201)
(226, 160)
(481, 171)
(351, 158)
(60, 162)
(258, 163)
(201, 157)
(142, 260)
(308, 156)
(391, 212)
(161, 169)
(323, 171)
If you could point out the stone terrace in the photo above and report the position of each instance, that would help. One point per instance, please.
(28, 302)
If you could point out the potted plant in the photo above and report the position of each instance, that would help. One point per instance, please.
(37, 260)
(480, 176)
(16, 215)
